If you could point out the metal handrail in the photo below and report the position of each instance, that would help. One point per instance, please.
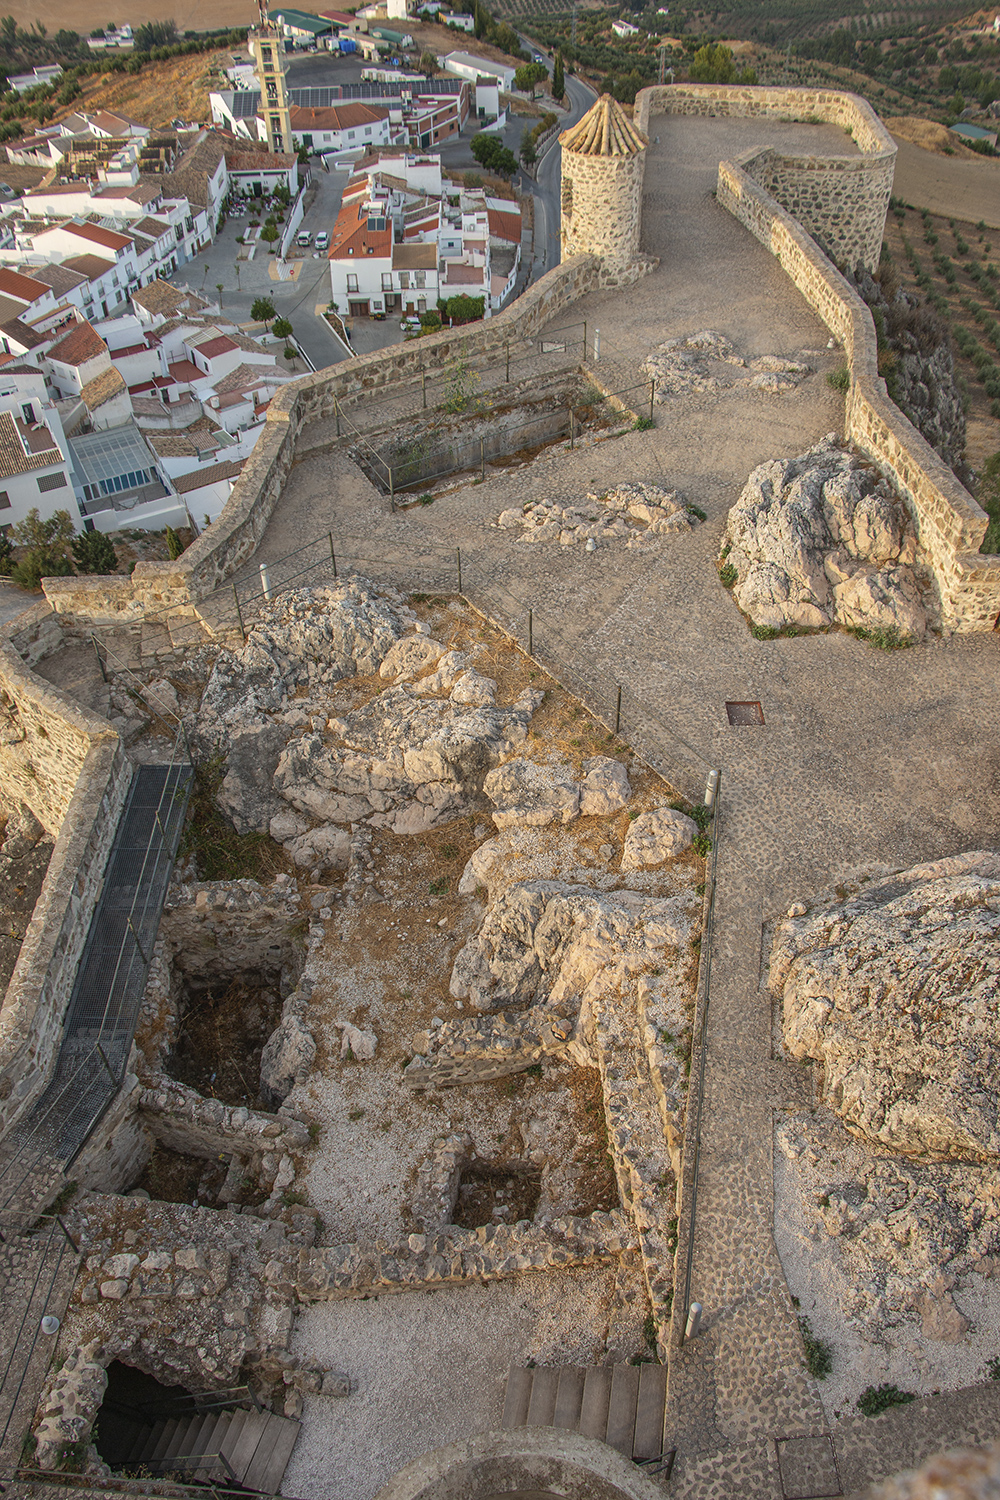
(707, 935)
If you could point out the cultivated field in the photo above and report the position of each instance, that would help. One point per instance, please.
(55, 14)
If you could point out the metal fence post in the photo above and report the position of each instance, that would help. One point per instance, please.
(571, 432)
(458, 556)
(392, 493)
(652, 393)
(585, 341)
(531, 632)
(618, 709)
(265, 580)
(482, 457)
(597, 345)
(423, 387)
(333, 555)
(507, 348)
(336, 412)
(100, 659)
(239, 613)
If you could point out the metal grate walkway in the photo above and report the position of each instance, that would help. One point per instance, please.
(110, 982)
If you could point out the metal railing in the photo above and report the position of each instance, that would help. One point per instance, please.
(27, 1236)
(690, 1187)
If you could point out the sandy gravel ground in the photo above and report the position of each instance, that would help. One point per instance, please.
(430, 1367)
(966, 188)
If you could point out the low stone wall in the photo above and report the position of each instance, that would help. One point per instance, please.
(186, 1121)
(70, 768)
(491, 1253)
(842, 200)
(950, 525)
(477, 1049)
(234, 537)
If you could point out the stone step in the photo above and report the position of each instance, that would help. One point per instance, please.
(621, 1405)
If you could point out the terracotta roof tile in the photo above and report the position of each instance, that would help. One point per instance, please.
(78, 346)
(198, 478)
(14, 457)
(102, 388)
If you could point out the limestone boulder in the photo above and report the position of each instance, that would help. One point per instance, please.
(410, 657)
(356, 1043)
(657, 836)
(546, 941)
(247, 793)
(605, 787)
(893, 991)
(327, 847)
(474, 689)
(452, 666)
(286, 1059)
(161, 696)
(529, 795)
(822, 539)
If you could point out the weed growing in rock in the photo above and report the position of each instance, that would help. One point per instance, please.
(993, 1368)
(840, 379)
(702, 845)
(697, 512)
(883, 637)
(643, 424)
(879, 1398)
(764, 632)
(649, 1330)
(220, 852)
(819, 1355)
(728, 575)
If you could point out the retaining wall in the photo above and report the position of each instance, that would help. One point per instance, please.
(841, 200)
(70, 768)
(949, 524)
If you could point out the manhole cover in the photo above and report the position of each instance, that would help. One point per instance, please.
(745, 713)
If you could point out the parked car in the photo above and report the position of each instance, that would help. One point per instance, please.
(303, 239)
(322, 240)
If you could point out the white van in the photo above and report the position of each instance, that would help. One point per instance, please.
(304, 240)
(322, 240)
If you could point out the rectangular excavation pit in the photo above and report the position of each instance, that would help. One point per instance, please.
(476, 435)
(745, 715)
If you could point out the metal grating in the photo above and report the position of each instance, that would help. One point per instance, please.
(742, 714)
(110, 981)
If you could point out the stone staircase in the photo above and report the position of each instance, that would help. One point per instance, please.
(621, 1405)
(249, 1448)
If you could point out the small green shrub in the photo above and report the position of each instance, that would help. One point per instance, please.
(649, 1330)
(764, 632)
(993, 1368)
(882, 637)
(702, 845)
(819, 1355)
(425, 499)
(728, 575)
(438, 887)
(840, 379)
(879, 1398)
(643, 424)
(697, 512)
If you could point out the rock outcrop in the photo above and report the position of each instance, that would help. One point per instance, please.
(657, 836)
(893, 991)
(529, 795)
(704, 363)
(823, 540)
(636, 513)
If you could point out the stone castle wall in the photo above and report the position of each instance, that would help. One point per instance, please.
(841, 200)
(949, 524)
(70, 768)
(601, 205)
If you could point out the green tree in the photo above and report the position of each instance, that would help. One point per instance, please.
(7, 553)
(528, 75)
(174, 544)
(558, 78)
(270, 233)
(262, 310)
(47, 543)
(529, 154)
(94, 553)
(428, 64)
(463, 309)
(714, 64)
(154, 34)
(282, 329)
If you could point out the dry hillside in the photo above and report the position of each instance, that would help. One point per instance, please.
(187, 13)
(162, 92)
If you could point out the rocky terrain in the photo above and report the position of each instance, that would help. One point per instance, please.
(637, 514)
(920, 372)
(707, 362)
(25, 851)
(893, 991)
(822, 540)
(887, 1209)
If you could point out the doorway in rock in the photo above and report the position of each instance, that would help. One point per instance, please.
(133, 1404)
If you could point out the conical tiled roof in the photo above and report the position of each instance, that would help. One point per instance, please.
(605, 130)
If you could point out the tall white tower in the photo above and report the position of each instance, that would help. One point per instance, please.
(268, 49)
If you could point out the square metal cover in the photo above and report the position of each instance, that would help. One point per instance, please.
(808, 1468)
(744, 713)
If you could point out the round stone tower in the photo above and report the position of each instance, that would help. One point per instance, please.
(603, 159)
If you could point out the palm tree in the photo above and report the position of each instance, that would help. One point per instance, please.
(219, 289)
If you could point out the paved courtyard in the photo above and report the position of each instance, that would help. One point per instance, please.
(864, 758)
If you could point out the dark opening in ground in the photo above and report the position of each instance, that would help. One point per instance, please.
(133, 1404)
(224, 1025)
(174, 1177)
(497, 1193)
